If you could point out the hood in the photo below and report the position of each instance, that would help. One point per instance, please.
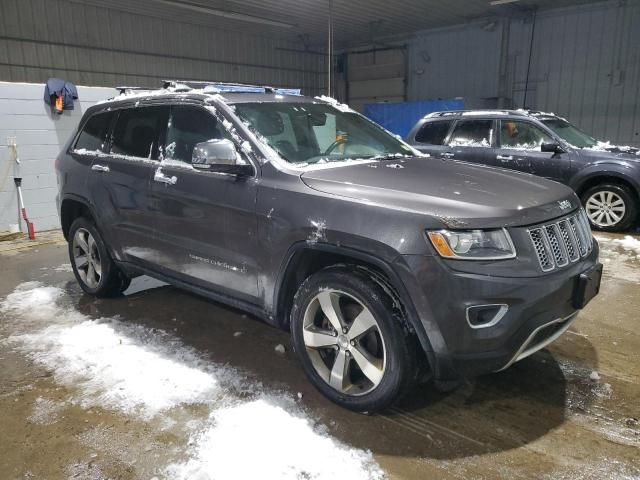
(455, 194)
(617, 153)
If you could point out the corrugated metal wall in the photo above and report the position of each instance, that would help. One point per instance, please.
(585, 66)
(97, 46)
(455, 62)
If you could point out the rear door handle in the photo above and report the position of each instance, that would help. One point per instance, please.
(100, 168)
(162, 178)
(504, 158)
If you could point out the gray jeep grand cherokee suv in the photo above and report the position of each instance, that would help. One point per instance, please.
(387, 267)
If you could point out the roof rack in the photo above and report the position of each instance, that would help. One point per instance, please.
(448, 113)
(217, 87)
(123, 89)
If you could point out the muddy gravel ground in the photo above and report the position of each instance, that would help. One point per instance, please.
(160, 383)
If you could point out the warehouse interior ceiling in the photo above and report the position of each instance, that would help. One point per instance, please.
(356, 22)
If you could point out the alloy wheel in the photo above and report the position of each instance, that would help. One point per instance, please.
(605, 208)
(344, 342)
(86, 258)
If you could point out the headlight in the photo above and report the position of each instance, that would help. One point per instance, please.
(473, 244)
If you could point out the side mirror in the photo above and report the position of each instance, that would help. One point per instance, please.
(221, 156)
(552, 148)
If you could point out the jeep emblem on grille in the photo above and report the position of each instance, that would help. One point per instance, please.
(565, 204)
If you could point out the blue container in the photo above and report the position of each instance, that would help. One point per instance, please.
(398, 118)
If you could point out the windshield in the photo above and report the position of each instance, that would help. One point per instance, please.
(306, 133)
(570, 134)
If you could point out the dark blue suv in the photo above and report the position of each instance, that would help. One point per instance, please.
(605, 177)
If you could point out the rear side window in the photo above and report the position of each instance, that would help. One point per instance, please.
(137, 131)
(472, 133)
(433, 133)
(189, 126)
(94, 132)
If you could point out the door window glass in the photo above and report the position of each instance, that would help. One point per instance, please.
(522, 135)
(433, 133)
(94, 132)
(472, 133)
(137, 131)
(189, 126)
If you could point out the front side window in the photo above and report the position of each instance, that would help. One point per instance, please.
(522, 135)
(189, 126)
(94, 132)
(433, 133)
(308, 133)
(569, 133)
(472, 133)
(137, 131)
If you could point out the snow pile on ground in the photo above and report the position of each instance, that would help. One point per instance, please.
(116, 371)
(278, 443)
(145, 372)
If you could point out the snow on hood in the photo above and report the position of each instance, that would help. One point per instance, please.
(145, 372)
(608, 147)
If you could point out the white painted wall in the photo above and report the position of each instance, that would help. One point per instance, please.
(40, 136)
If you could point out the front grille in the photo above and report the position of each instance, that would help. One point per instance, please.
(563, 242)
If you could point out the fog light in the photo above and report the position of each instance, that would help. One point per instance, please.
(484, 316)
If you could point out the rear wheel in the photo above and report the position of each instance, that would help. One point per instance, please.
(93, 267)
(610, 206)
(351, 343)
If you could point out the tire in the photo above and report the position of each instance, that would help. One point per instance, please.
(385, 349)
(96, 273)
(610, 207)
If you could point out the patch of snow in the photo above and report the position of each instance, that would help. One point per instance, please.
(609, 147)
(118, 370)
(394, 165)
(594, 376)
(335, 103)
(269, 438)
(318, 233)
(280, 349)
(45, 411)
(146, 373)
(65, 267)
(459, 142)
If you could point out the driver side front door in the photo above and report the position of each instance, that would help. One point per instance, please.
(205, 222)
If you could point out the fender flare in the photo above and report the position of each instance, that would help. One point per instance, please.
(393, 277)
(596, 171)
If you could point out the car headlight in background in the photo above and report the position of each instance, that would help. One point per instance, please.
(473, 244)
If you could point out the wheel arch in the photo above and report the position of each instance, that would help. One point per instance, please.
(71, 208)
(590, 180)
(303, 260)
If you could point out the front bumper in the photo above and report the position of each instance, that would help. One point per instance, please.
(540, 309)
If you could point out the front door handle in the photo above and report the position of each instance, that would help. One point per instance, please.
(448, 154)
(100, 168)
(504, 158)
(162, 178)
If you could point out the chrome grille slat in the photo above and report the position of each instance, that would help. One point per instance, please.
(559, 243)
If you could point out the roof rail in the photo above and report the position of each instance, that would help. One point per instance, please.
(123, 89)
(216, 87)
(495, 111)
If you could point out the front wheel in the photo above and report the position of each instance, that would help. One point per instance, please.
(92, 265)
(610, 206)
(350, 340)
